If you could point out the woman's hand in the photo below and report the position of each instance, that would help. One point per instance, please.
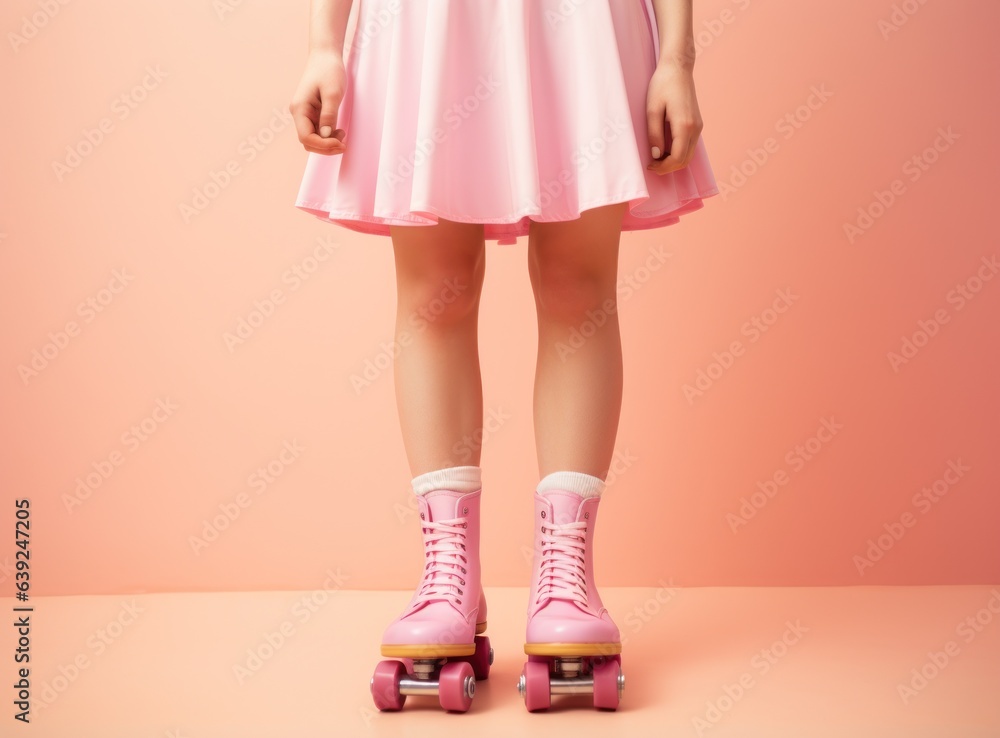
(316, 102)
(672, 118)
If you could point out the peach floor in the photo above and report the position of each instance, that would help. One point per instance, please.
(714, 661)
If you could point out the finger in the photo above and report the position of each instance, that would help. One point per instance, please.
(655, 119)
(329, 109)
(680, 151)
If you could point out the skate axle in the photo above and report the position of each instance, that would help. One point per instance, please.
(427, 686)
(571, 685)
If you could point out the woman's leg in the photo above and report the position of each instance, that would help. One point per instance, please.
(439, 393)
(573, 267)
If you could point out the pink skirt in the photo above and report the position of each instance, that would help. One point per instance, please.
(498, 112)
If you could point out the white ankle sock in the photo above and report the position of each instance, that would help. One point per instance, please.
(585, 485)
(457, 478)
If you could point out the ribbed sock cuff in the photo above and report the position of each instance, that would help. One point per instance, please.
(457, 478)
(585, 485)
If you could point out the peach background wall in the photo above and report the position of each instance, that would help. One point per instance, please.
(121, 287)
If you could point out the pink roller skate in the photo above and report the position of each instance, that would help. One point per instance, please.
(572, 643)
(437, 635)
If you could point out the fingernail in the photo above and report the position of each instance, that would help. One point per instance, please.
(656, 152)
(325, 131)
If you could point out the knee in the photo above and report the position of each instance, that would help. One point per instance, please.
(440, 295)
(569, 293)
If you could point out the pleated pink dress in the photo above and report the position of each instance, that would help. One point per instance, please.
(498, 112)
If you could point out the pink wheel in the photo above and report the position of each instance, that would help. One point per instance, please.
(606, 684)
(385, 685)
(481, 659)
(536, 685)
(456, 686)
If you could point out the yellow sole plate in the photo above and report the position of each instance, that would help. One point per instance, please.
(429, 650)
(572, 649)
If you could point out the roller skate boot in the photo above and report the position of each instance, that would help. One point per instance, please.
(436, 638)
(573, 645)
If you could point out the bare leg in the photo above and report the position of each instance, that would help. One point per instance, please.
(573, 267)
(439, 392)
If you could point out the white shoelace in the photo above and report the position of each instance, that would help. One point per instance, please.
(445, 546)
(563, 575)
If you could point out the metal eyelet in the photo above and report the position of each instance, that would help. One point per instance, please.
(422, 516)
(586, 516)
(465, 511)
(543, 514)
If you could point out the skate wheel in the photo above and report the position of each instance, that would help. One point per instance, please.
(482, 658)
(385, 685)
(456, 686)
(606, 684)
(536, 685)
